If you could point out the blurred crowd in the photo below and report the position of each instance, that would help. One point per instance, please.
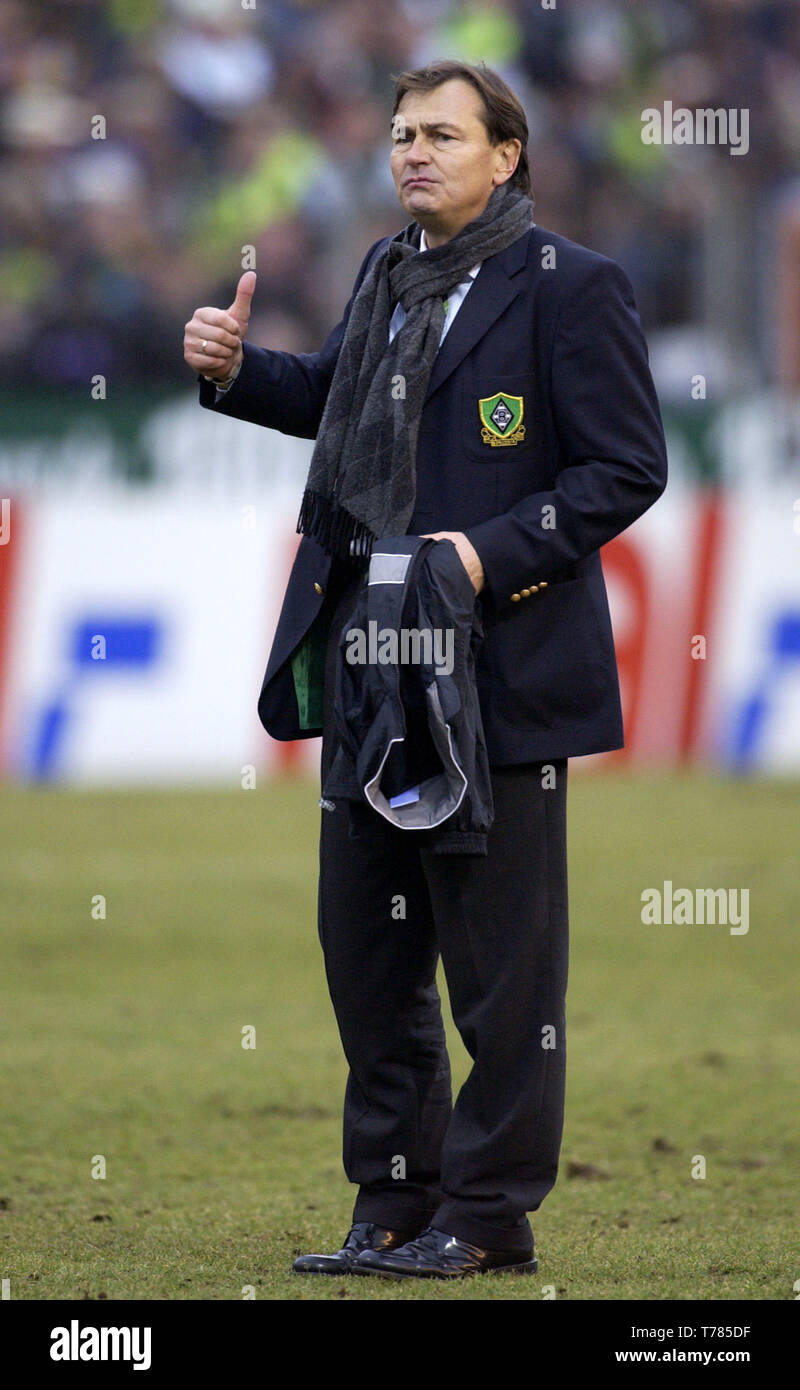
(143, 143)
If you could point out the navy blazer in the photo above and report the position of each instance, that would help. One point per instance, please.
(553, 326)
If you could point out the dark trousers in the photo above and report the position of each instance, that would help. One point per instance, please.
(388, 908)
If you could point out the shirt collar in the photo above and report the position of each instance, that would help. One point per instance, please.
(423, 246)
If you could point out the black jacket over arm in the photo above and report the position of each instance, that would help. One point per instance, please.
(555, 326)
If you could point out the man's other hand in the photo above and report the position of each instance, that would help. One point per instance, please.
(467, 554)
(212, 341)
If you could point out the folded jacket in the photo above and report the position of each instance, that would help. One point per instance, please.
(411, 746)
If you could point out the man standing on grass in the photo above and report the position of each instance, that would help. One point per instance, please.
(527, 433)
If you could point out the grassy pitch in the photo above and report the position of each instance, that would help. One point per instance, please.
(122, 1047)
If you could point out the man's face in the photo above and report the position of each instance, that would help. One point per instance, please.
(444, 167)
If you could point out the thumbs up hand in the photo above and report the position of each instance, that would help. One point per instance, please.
(212, 340)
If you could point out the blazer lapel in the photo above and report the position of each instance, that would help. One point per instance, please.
(492, 291)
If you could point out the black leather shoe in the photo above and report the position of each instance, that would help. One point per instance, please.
(364, 1236)
(436, 1255)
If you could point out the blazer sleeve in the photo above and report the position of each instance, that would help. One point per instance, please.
(283, 390)
(611, 439)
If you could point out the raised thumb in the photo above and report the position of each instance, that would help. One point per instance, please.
(240, 308)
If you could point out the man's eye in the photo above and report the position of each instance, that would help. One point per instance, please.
(438, 135)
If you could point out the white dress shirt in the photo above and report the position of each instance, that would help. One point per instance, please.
(454, 300)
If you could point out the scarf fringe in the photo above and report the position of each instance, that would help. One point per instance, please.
(334, 528)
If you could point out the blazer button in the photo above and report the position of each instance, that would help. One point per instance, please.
(318, 588)
(525, 593)
(542, 583)
(534, 589)
(515, 598)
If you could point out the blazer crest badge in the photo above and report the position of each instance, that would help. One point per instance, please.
(501, 419)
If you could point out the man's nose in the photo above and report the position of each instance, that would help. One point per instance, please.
(418, 152)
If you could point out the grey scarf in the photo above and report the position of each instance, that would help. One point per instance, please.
(362, 480)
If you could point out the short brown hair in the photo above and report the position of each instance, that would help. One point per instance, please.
(503, 115)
